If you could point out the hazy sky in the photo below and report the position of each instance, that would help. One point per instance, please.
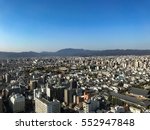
(50, 25)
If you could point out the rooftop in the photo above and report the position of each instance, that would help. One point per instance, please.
(139, 91)
(131, 100)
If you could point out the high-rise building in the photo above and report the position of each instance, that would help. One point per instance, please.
(73, 84)
(55, 93)
(44, 106)
(17, 103)
(68, 95)
(59, 93)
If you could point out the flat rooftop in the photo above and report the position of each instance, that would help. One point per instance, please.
(132, 100)
(44, 101)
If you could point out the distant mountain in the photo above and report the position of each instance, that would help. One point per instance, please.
(82, 52)
(18, 54)
(74, 52)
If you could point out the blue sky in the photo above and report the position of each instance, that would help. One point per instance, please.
(50, 25)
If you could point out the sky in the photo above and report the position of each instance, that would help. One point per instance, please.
(50, 25)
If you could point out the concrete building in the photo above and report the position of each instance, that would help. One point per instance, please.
(11, 89)
(68, 95)
(136, 103)
(37, 93)
(33, 84)
(7, 78)
(44, 106)
(73, 84)
(80, 99)
(17, 103)
(48, 92)
(90, 106)
(134, 109)
(55, 93)
(55, 106)
(58, 93)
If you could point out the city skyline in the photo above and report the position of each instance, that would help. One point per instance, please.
(75, 84)
(43, 25)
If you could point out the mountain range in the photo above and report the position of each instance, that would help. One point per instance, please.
(75, 52)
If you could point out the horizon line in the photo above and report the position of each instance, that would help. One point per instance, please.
(72, 48)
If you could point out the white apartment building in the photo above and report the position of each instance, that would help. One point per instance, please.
(44, 106)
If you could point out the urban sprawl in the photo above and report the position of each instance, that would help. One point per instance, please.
(75, 85)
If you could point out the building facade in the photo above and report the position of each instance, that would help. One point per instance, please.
(44, 106)
(17, 103)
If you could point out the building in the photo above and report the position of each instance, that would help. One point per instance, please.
(80, 99)
(119, 109)
(68, 95)
(87, 96)
(33, 84)
(134, 109)
(10, 90)
(122, 100)
(7, 78)
(1, 105)
(44, 106)
(73, 84)
(37, 93)
(17, 103)
(58, 93)
(55, 93)
(48, 92)
(55, 106)
(139, 92)
(91, 105)
(79, 92)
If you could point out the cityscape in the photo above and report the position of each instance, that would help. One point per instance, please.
(74, 56)
(98, 84)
